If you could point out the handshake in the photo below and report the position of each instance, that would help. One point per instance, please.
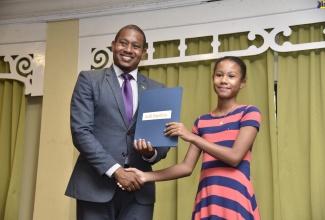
(129, 179)
(132, 179)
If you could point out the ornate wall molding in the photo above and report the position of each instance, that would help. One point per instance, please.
(26, 64)
(27, 60)
(94, 51)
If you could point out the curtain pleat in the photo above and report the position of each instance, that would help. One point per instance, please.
(12, 131)
(301, 127)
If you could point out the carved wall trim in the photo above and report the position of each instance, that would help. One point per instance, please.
(26, 63)
(27, 60)
(94, 51)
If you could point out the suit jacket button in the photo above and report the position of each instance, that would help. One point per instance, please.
(124, 154)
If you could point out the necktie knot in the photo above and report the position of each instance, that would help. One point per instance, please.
(126, 76)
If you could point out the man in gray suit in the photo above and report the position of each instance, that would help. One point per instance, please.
(104, 137)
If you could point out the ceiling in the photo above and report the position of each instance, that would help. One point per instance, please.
(12, 11)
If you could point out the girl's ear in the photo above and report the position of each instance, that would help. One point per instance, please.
(243, 83)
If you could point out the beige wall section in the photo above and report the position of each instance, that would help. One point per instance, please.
(56, 151)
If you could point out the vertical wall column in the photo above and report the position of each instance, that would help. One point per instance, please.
(56, 151)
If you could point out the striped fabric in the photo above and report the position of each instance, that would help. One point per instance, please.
(225, 192)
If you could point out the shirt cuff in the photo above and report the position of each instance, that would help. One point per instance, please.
(111, 171)
(152, 159)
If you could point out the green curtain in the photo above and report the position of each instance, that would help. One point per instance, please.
(175, 198)
(12, 131)
(301, 127)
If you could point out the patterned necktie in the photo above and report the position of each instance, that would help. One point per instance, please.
(127, 95)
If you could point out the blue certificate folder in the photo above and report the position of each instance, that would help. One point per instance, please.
(156, 108)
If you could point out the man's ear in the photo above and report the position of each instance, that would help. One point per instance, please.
(144, 52)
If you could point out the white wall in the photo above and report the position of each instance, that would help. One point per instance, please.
(194, 14)
(18, 24)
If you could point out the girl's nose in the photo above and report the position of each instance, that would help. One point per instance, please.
(224, 79)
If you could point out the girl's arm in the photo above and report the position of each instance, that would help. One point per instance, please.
(183, 169)
(232, 156)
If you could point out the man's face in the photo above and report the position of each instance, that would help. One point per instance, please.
(128, 50)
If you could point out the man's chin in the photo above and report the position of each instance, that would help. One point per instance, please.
(126, 69)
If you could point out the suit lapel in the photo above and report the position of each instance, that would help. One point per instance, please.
(114, 84)
(142, 85)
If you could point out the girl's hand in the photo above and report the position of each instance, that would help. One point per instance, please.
(137, 172)
(178, 129)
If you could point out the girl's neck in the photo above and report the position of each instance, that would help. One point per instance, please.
(224, 105)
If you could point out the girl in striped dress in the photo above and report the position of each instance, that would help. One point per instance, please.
(225, 136)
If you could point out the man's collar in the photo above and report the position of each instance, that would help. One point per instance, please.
(118, 72)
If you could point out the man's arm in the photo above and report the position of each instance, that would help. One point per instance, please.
(82, 126)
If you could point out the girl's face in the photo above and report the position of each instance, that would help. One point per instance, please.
(227, 79)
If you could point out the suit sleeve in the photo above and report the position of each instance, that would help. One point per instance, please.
(161, 153)
(82, 126)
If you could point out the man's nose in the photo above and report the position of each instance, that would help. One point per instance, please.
(128, 48)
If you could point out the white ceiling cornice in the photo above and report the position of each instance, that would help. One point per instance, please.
(25, 11)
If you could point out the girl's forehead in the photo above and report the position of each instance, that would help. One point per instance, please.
(227, 64)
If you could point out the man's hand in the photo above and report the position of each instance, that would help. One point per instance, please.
(128, 180)
(144, 148)
(137, 172)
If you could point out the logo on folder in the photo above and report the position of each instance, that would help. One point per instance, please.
(157, 115)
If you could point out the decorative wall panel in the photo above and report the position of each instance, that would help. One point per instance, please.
(27, 60)
(26, 64)
(94, 51)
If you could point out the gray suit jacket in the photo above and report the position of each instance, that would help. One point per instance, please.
(101, 134)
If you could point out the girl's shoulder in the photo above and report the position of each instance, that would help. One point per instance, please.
(251, 115)
(248, 108)
(206, 116)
